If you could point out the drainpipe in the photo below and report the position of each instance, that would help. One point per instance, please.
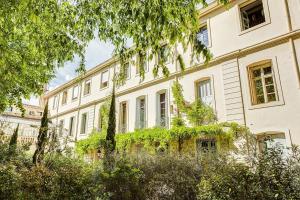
(78, 109)
(243, 105)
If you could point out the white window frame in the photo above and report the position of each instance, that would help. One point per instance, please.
(81, 123)
(89, 81)
(71, 126)
(64, 98)
(101, 79)
(158, 109)
(138, 112)
(73, 92)
(55, 102)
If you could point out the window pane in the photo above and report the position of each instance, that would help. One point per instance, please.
(269, 80)
(260, 99)
(202, 36)
(256, 73)
(267, 70)
(252, 14)
(271, 97)
(270, 89)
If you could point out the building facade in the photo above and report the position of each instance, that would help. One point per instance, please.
(28, 124)
(253, 78)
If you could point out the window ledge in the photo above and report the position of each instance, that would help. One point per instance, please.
(254, 27)
(267, 105)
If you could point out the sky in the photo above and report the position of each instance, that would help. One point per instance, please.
(96, 52)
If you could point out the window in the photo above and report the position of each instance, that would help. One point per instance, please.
(202, 36)
(31, 112)
(127, 70)
(64, 97)
(162, 109)
(83, 123)
(87, 87)
(252, 14)
(104, 79)
(270, 140)
(141, 59)
(206, 145)
(123, 117)
(141, 113)
(75, 92)
(204, 91)
(262, 84)
(163, 54)
(71, 126)
(55, 102)
(61, 127)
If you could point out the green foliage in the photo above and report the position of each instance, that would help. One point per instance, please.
(104, 112)
(37, 37)
(13, 141)
(111, 129)
(155, 138)
(177, 122)
(197, 112)
(270, 177)
(42, 138)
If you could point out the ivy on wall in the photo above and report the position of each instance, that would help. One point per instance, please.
(159, 138)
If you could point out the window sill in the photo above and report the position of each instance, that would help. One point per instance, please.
(85, 95)
(103, 88)
(267, 105)
(254, 28)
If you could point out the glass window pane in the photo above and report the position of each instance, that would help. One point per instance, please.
(271, 97)
(270, 89)
(260, 99)
(267, 70)
(256, 73)
(269, 80)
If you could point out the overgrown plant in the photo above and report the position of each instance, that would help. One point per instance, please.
(13, 141)
(42, 138)
(197, 112)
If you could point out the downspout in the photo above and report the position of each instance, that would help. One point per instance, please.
(243, 105)
(78, 109)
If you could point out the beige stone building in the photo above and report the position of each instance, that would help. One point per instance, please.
(253, 77)
(28, 124)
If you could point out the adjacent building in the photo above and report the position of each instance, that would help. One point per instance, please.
(253, 78)
(29, 123)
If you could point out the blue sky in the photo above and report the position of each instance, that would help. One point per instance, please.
(96, 52)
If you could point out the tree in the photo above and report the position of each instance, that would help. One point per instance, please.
(111, 132)
(42, 138)
(37, 36)
(13, 141)
(111, 129)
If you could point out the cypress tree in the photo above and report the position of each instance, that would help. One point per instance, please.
(111, 132)
(111, 128)
(13, 141)
(42, 138)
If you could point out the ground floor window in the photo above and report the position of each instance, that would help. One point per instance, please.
(270, 140)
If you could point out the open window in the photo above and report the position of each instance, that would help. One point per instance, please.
(252, 14)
